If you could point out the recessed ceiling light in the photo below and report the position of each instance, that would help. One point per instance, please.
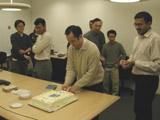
(125, 1)
(11, 9)
(14, 6)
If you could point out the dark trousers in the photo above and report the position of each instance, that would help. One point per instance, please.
(32, 58)
(97, 88)
(146, 86)
(19, 67)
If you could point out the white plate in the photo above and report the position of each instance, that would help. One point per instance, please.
(16, 105)
(25, 96)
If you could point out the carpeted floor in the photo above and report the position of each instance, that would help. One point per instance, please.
(123, 109)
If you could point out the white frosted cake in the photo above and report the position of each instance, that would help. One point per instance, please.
(53, 100)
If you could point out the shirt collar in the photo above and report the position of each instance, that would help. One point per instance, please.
(94, 33)
(112, 43)
(20, 35)
(84, 45)
(44, 33)
(147, 34)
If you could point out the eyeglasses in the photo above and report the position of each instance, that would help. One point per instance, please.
(138, 24)
(111, 36)
(20, 26)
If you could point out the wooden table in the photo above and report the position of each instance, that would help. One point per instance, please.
(89, 103)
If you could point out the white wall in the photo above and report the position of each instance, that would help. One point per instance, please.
(8, 19)
(61, 13)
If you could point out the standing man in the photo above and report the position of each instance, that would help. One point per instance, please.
(42, 48)
(21, 46)
(83, 62)
(145, 59)
(95, 35)
(90, 24)
(112, 53)
(33, 36)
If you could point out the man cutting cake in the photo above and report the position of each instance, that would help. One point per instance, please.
(83, 63)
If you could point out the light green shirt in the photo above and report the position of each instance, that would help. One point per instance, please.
(113, 53)
(84, 63)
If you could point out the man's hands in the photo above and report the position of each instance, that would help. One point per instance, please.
(102, 59)
(27, 57)
(126, 64)
(116, 66)
(21, 51)
(65, 87)
(71, 89)
(24, 51)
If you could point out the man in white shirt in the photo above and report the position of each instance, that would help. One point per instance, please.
(42, 48)
(145, 59)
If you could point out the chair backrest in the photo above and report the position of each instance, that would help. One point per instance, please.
(3, 57)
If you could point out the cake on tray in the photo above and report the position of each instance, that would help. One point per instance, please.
(53, 100)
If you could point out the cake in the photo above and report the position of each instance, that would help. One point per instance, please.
(53, 100)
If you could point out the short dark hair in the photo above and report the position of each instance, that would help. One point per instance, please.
(76, 30)
(147, 17)
(17, 22)
(96, 20)
(91, 21)
(111, 31)
(40, 20)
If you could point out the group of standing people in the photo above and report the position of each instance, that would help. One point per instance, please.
(110, 54)
(93, 62)
(37, 47)
(85, 58)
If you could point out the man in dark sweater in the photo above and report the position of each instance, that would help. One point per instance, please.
(95, 35)
(112, 53)
(21, 46)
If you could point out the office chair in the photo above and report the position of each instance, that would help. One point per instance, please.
(3, 60)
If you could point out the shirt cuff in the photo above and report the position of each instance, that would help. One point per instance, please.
(67, 83)
(77, 86)
(137, 63)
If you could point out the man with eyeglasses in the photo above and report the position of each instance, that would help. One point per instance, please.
(145, 59)
(42, 48)
(21, 46)
(95, 35)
